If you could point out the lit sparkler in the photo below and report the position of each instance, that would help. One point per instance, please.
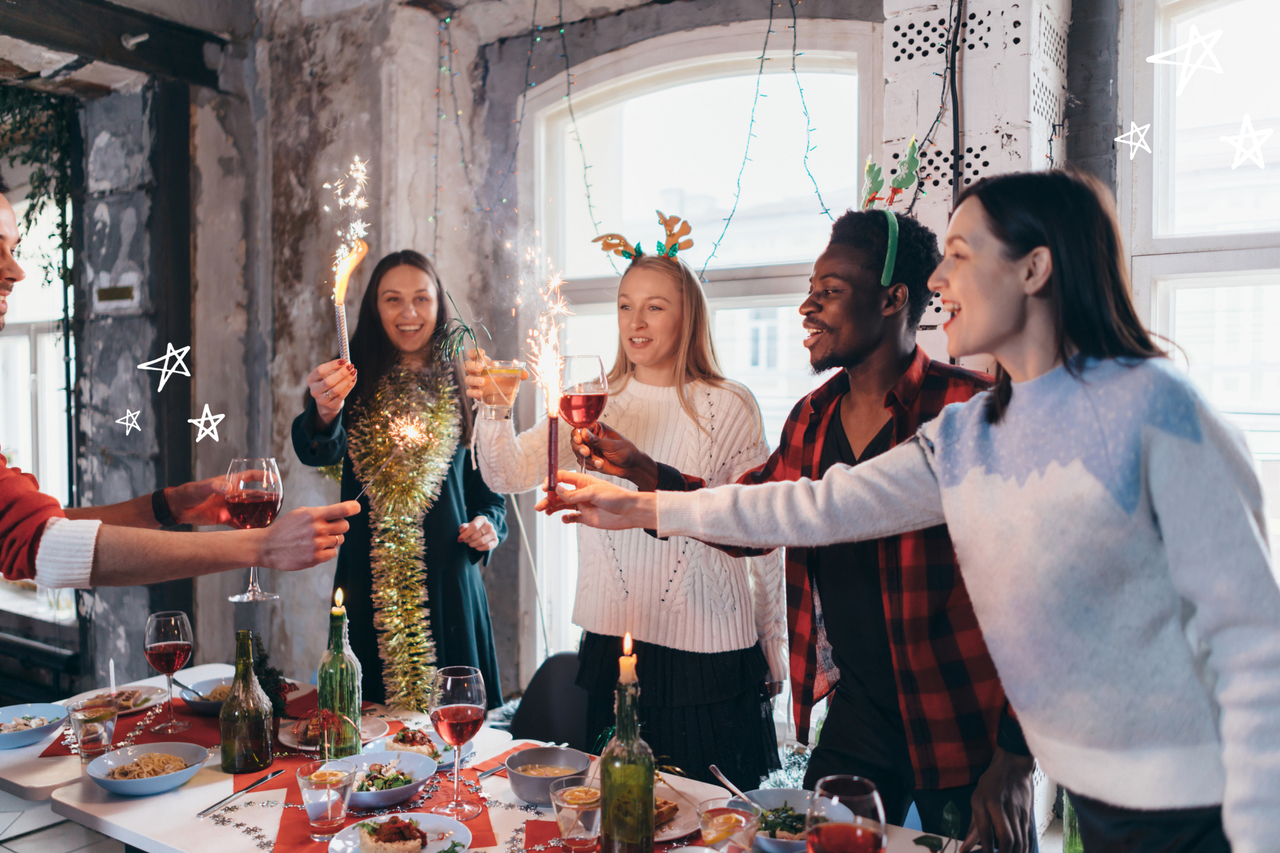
(348, 192)
(544, 344)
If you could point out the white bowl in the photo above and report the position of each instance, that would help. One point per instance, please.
(772, 798)
(26, 737)
(193, 754)
(419, 767)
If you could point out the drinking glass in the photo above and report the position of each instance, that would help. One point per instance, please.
(584, 391)
(168, 648)
(728, 823)
(326, 789)
(845, 816)
(501, 382)
(457, 712)
(577, 808)
(254, 495)
(93, 721)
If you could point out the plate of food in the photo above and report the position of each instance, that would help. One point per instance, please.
(782, 824)
(424, 742)
(133, 698)
(23, 725)
(153, 768)
(386, 778)
(307, 738)
(415, 832)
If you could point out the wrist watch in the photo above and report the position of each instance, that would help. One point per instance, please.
(160, 506)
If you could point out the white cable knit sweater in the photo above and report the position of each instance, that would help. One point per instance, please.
(678, 593)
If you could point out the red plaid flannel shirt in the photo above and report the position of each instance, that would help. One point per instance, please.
(948, 691)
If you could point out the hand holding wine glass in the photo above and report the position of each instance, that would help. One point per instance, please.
(254, 495)
(457, 712)
(845, 816)
(585, 390)
(167, 646)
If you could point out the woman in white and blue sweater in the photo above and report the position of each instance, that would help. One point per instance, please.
(1108, 522)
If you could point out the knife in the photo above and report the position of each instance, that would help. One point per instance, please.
(486, 774)
(220, 803)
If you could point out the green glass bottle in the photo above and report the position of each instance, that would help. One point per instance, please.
(626, 780)
(338, 683)
(245, 718)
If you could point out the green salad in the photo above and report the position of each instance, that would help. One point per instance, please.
(782, 819)
(382, 777)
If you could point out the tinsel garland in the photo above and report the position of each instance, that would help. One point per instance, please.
(405, 401)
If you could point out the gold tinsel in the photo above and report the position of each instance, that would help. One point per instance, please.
(411, 426)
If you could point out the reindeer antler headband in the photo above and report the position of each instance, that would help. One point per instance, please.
(871, 187)
(675, 227)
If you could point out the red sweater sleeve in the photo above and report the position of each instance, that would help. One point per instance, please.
(23, 513)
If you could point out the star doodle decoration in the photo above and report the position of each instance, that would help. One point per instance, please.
(1187, 66)
(208, 423)
(130, 420)
(1136, 138)
(165, 369)
(1248, 144)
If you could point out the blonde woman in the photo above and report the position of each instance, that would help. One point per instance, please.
(710, 629)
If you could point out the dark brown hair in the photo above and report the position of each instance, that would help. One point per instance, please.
(1073, 215)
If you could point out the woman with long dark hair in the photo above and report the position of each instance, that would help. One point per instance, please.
(394, 419)
(1107, 520)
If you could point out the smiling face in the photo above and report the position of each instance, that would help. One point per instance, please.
(651, 324)
(10, 272)
(986, 293)
(847, 311)
(408, 305)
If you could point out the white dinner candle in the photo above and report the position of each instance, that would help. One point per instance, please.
(111, 670)
(627, 663)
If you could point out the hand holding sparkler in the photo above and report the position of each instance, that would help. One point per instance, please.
(329, 384)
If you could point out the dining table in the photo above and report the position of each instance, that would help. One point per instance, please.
(255, 822)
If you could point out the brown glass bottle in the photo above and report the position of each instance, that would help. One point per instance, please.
(245, 718)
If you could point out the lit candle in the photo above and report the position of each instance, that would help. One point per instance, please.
(627, 663)
(338, 609)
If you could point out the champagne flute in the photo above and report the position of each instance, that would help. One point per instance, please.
(254, 496)
(168, 648)
(457, 712)
(583, 395)
(845, 816)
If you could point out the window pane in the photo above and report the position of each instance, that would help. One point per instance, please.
(15, 390)
(1198, 190)
(679, 150)
(1225, 325)
(38, 297)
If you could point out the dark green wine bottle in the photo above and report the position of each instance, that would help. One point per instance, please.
(338, 683)
(245, 718)
(626, 781)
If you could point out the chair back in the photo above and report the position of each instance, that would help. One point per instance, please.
(553, 708)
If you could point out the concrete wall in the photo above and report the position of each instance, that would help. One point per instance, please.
(1093, 101)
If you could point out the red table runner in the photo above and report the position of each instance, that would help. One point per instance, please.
(204, 730)
(548, 832)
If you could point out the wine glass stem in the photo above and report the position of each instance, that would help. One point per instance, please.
(457, 765)
(169, 676)
(253, 579)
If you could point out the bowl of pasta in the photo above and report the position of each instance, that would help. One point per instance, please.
(153, 768)
(215, 688)
(23, 725)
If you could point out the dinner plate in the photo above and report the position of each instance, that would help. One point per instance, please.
(441, 832)
(12, 740)
(193, 754)
(684, 823)
(446, 751)
(151, 696)
(371, 728)
(418, 767)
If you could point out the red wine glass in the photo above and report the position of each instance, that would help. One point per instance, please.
(583, 395)
(168, 648)
(457, 712)
(845, 816)
(254, 495)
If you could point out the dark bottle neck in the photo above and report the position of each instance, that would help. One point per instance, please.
(627, 712)
(244, 655)
(337, 632)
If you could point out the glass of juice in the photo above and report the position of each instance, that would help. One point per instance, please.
(94, 723)
(845, 816)
(501, 382)
(577, 806)
(728, 826)
(326, 788)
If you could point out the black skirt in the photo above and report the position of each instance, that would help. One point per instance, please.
(696, 708)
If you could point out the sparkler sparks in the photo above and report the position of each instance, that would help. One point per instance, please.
(409, 433)
(348, 192)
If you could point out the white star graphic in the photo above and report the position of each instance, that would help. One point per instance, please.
(1170, 57)
(130, 421)
(165, 370)
(1252, 151)
(1135, 142)
(211, 419)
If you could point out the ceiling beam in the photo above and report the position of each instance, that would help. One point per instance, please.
(101, 30)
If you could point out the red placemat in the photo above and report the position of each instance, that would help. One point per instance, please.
(300, 706)
(548, 832)
(204, 730)
(499, 760)
(295, 833)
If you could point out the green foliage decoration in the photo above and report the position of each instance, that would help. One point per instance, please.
(35, 131)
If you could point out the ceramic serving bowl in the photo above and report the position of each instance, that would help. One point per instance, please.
(536, 790)
(193, 754)
(419, 768)
(773, 798)
(12, 740)
(203, 706)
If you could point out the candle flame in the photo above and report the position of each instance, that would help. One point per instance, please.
(626, 644)
(337, 598)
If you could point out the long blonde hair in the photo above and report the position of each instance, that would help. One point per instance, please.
(696, 360)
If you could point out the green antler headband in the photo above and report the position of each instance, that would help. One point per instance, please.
(872, 184)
